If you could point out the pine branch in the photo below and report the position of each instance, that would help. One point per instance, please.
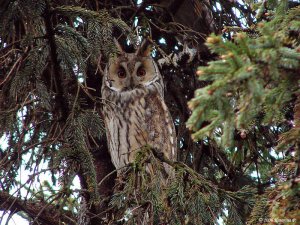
(61, 97)
(185, 183)
(49, 216)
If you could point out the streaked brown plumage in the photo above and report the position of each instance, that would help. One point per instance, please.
(134, 110)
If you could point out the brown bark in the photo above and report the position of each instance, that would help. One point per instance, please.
(106, 181)
(47, 214)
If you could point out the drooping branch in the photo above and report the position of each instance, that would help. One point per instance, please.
(56, 71)
(50, 214)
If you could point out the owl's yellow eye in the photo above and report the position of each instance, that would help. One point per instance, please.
(141, 72)
(121, 73)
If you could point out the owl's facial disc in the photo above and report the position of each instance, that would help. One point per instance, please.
(129, 72)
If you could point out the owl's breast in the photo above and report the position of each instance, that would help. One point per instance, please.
(126, 130)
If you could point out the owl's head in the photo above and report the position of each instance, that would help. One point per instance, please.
(129, 71)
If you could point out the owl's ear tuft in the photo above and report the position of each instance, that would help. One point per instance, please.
(145, 48)
(119, 47)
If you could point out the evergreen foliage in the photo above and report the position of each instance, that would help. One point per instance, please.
(41, 118)
(255, 83)
(253, 75)
(187, 193)
(240, 164)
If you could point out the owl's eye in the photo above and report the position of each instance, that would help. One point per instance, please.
(121, 73)
(141, 72)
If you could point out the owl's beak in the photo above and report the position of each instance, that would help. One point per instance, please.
(131, 84)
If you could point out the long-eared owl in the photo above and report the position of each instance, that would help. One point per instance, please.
(134, 109)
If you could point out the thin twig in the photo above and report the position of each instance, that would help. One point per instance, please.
(11, 70)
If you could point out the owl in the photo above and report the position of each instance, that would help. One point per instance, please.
(135, 113)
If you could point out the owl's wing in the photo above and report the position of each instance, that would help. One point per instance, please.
(160, 127)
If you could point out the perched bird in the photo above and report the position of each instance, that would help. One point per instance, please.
(135, 113)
